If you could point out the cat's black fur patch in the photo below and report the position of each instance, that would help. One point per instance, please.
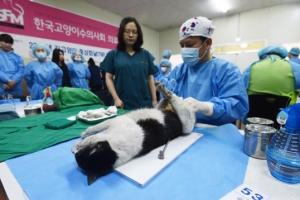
(98, 163)
(156, 134)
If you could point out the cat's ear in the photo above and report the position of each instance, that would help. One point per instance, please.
(92, 178)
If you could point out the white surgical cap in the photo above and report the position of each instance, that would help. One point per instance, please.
(197, 26)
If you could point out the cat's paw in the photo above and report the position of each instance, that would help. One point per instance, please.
(83, 135)
(89, 131)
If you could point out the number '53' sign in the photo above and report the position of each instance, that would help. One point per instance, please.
(255, 196)
(251, 193)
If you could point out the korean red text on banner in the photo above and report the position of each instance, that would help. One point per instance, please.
(33, 19)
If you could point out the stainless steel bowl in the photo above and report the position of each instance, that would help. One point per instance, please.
(257, 138)
(32, 110)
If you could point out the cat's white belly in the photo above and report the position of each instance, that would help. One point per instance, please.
(125, 137)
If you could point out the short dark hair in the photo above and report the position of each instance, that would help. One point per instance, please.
(91, 61)
(55, 56)
(6, 38)
(202, 38)
(139, 42)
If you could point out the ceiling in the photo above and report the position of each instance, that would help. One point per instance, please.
(165, 14)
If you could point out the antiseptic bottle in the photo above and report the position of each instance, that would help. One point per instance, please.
(283, 152)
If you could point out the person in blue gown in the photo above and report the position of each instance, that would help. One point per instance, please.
(132, 68)
(79, 72)
(41, 74)
(211, 86)
(158, 67)
(165, 67)
(11, 68)
(294, 55)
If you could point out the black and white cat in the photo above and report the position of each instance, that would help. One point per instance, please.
(132, 135)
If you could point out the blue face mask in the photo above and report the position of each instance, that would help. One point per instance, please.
(40, 55)
(163, 69)
(190, 55)
(77, 59)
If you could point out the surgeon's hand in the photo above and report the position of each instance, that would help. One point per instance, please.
(204, 107)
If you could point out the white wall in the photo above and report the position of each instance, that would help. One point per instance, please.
(275, 25)
(83, 8)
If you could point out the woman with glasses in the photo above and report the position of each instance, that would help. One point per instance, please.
(132, 68)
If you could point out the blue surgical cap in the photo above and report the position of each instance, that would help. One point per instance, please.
(153, 56)
(77, 52)
(295, 51)
(166, 53)
(40, 45)
(273, 49)
(166, 62)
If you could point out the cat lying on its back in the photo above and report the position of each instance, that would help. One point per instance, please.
(132, 135)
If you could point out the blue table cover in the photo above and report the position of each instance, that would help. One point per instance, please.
(209, 169)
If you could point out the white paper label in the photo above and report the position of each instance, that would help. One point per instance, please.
(245, 192)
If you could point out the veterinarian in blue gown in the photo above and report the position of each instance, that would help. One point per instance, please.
(11, 67)
(42, 73)
(79, 72)
(165, 67)
(212, 86)
(133, 68)
(294, 55)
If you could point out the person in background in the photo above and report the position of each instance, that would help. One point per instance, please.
(294, 55)
(79, 72)
(158, 67)
(213, 87)
(103, 74)
(58, 58)
(165, 66)
(133, 68)
(272, 74)
(167, 54)
(11, 67)
(95, 81)
(41, 74)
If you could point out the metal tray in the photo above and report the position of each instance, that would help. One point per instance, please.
(97, 120)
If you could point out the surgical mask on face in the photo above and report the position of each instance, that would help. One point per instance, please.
(77, 59)
(163, 69)
(190, 55)
(41, 55)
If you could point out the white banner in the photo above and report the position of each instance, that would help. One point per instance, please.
(23, 44)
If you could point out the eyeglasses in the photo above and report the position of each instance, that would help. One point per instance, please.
(127, 32)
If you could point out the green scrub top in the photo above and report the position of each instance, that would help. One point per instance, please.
(271, 77)
(131, 76)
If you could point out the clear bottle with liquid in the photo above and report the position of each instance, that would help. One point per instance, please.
(283, 152)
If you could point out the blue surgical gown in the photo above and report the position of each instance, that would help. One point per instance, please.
(216, 81)
(11, 68)
(296, 60)
(131, 76)
(39, 75)
(78, 74)
(159, 70)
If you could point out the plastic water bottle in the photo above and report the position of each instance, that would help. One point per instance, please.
(283, 152)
